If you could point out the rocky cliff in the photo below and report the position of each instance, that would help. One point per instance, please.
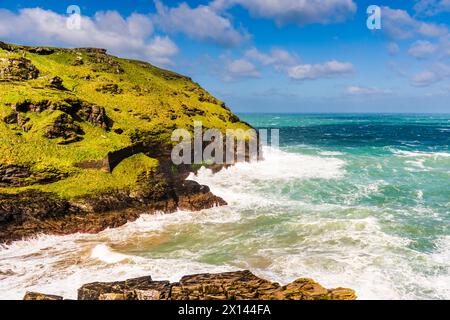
(85, 140)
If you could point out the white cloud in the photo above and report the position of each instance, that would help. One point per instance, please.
(241, 68)
(129, 36)
(422, 49)
(359, 90)
(399, 24)
(432, 7)
(277, 57)
(200, 23)
(300, 12)
(434, 74)
(425, 78)
(315, 71)
(161, 49)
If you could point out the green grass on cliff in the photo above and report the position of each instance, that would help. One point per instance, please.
(137, 97)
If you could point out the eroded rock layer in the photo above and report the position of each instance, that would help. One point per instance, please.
(240, 285)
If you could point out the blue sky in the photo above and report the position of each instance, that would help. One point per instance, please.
(267, 55)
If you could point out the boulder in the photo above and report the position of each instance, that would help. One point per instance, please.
(17, 69)
(64, 127)
(57, 83)
(40, 296)
(135, 289)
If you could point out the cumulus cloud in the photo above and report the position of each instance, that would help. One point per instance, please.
(399, 24)
(131, 36)
(434, 74)
(324, 70)
(422, 49)
(300, 12)
(277, 57)
(201, 23)
(240, 68)
(432, 7)
(364, 91)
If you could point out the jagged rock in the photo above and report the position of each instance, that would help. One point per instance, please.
(30, 205)
(31, 212)
(196, 197)
(43, 51)
(57, 83)
(95, 115)
(40, 296)
(64, 127)
(135, 289)
(240, 285)
(17, 69)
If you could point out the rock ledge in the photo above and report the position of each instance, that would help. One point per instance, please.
(240, 285)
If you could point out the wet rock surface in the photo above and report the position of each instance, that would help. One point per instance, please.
(32, 212)
(240, 285)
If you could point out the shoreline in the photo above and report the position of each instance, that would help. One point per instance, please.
(32, 213)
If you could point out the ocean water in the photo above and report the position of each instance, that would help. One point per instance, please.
(360, 201)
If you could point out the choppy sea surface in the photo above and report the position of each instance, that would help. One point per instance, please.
(361, 201)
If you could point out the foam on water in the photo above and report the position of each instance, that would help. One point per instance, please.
(277, 237)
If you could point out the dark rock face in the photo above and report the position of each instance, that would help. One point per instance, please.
(57, 83)
(64, 127)
(21, 176)
(135, 289)
(43, 51)
(95, 115)
(17, 69)
(33, 212)
(241, 285)
(30, 206)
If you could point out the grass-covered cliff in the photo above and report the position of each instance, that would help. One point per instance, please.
(63, 110)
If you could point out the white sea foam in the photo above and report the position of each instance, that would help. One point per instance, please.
(238, 183)
(331, 153)
(404, 153)
(104, 253)
(335, 244)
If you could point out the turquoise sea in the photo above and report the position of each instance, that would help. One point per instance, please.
(361, 201)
